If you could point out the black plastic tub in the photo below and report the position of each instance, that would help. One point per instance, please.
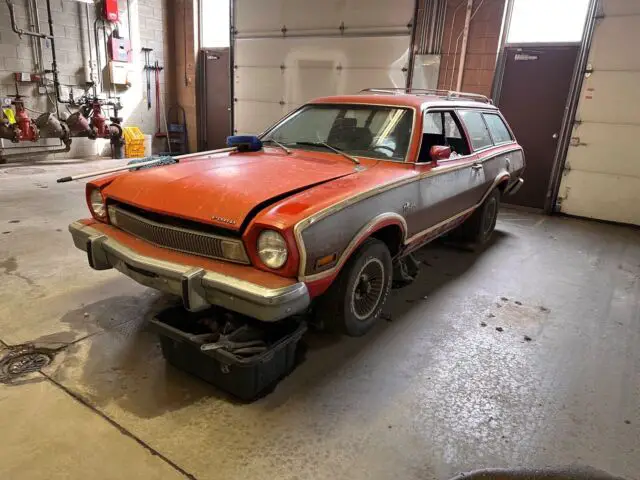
(183, 333)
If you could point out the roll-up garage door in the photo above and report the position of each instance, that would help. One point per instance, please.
(602, 170)
(287, 52)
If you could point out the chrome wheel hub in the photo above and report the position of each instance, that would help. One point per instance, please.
(367, 289)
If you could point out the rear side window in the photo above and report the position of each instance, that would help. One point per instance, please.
(498, 129)
(478, 132)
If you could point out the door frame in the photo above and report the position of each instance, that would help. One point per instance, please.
(571, 105)
(497, 93)
(201, 93)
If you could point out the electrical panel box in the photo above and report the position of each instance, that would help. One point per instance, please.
(119, 72)
(111, 10)
(120, 49)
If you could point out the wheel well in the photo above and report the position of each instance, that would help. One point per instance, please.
(391, 236)
(502, 186)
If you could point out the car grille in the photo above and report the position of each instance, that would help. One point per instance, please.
(172, 237)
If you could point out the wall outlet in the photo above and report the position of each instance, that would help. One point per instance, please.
(42, 90)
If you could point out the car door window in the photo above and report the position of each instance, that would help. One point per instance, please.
(453, 135)
(432, 124)
(478, 131)
(498, 129)
(442, 128)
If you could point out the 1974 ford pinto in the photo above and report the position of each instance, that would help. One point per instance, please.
(337, 193)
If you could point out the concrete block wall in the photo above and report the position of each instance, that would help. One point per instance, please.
(482, 46)
(149, 25)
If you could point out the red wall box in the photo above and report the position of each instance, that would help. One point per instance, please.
(111, 10)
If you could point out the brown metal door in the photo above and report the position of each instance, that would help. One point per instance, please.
(533, 94)
(216, 98)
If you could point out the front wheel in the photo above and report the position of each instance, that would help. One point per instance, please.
(354, 301)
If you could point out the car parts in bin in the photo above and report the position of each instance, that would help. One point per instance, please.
(242, 359)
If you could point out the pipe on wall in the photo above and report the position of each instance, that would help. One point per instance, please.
(501, 59)
(465, 41)
(33, 25)
(441, 14)
(430, 18)
(19, 31)
(412, 46)
(36, 15)
(453, 22)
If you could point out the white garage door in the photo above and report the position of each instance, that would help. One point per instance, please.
(602, 176)
(290, 51)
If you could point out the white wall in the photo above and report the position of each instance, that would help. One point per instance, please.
(602, 171)
(289, 51)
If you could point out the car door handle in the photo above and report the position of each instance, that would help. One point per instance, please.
(476, 166)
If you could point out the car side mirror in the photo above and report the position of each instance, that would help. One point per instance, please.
(439, 152)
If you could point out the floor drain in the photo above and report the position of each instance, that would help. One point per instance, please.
(21, 360)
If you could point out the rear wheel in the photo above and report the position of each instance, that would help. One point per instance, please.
(477, 229)
(354, 301)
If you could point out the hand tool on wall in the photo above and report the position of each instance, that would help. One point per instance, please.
(147, 67)
(157, 69)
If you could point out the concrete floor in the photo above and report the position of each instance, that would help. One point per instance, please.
(428, 394)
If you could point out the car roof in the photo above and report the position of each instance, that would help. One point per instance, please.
(412, 98)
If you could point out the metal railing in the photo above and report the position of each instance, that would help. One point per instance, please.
(447, 94)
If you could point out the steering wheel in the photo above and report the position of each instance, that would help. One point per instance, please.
(385, 147)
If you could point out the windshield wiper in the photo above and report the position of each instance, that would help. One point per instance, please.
(272, 140)
(330, 147)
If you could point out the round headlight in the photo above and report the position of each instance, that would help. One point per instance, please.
(272, 249)
(96, 203)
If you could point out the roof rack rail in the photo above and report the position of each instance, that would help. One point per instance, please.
(448, 94)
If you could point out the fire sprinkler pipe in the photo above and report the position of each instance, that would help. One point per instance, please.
(34, 41)
(19, 31)
(465, 39)
(36, 16)
(453, 22)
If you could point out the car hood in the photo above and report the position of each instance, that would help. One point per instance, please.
(225, 190)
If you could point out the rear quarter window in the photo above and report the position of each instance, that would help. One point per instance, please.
(477, 128)
(498, 129)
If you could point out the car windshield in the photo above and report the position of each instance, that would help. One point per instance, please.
(359, 130)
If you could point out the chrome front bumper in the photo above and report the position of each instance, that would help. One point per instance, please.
(199, 288)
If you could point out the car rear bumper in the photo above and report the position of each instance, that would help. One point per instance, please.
(515, 186)
(199, 288)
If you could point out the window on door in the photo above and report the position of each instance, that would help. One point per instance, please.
(477, 128)
(215, 23)
(547, 21)
(442, 128)
(499, 131)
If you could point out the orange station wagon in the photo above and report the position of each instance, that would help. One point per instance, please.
(335, 196)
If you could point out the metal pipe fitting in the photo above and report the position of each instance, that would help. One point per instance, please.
(19, 31)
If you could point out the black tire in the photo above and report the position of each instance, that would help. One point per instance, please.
(353, 302)
(477, 229)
